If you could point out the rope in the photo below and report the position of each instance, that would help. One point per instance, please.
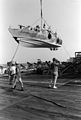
(46, 22)
(67, 66)
(35, 22)
(48, 25)
(15, 52)
(66, 51)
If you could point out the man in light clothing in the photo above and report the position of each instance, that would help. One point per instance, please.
(18, 77)
(12, 72)
(54, 72)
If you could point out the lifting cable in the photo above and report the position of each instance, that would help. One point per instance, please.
(66, 51)
(35, 22)
(62, 45)
(68, 65)
(48, 26)
(15, 52)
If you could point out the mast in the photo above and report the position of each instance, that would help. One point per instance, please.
(41, 13)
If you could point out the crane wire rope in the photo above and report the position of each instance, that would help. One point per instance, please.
(66, 51)
(15, 52)
(35, 22)
(62, 45)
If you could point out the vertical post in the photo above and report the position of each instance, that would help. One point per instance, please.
(41, 13)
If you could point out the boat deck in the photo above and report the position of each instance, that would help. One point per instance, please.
(38, 101)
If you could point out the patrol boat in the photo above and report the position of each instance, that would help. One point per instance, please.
(40, 36)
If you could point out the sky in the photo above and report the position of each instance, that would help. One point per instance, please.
(64, 17)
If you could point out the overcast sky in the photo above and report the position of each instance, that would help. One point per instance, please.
(64, 16)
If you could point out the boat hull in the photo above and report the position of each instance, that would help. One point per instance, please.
(33, 39)
(36, 43)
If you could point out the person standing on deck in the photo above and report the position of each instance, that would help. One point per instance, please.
(11, 71)
(54, 72)
(17, 77)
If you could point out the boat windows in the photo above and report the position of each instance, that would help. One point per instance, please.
(49, 35)
(59, 41)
